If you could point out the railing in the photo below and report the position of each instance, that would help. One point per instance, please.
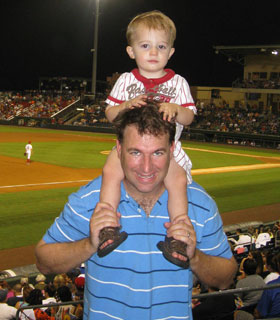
(48, 306)
(197, 296)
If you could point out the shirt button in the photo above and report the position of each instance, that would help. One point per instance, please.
(139, 210)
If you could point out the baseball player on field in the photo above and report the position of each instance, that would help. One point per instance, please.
(150, 39)
(28, 151)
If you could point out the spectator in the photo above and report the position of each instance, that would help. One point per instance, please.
(110, 281)
(17, 295)
(40, 281)
(36, 298)
(6, 312)
(251, 298)
(271, 265)
(59, 281)
(269, 304)
(4, 285)
(25, 314)
(49, 291)
(63, 294)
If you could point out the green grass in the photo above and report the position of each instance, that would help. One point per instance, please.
(243, 189)
(24, 216)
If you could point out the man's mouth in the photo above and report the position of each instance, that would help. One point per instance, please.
(145, 177)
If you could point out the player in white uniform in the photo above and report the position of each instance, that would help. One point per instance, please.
(150, 37)
(28, 151)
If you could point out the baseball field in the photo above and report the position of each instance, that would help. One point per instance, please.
(245, 182)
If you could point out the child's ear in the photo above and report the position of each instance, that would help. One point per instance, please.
(172, 50)
(130, 52)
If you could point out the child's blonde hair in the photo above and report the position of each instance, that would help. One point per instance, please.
(153, 20)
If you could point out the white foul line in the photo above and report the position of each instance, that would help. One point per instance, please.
(41, 184)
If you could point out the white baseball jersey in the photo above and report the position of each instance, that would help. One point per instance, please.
(170, 88)
(28, 149)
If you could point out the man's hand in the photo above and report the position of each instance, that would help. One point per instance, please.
(182, 229)
(103, 216)
(137, 102)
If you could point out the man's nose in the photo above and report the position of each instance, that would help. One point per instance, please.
(147, 164)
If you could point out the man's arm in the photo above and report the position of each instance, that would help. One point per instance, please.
(64, 256)
(214, 271)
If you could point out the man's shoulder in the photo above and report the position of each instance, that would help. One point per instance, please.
(197, 191)
(275, 281)
(88, 192)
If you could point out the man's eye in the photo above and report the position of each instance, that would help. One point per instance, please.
(134, 153)
(158, 153)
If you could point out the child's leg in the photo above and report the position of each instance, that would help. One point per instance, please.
(176, 185)
(110, 192)
(112, 175)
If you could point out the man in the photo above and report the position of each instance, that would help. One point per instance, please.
(28, 151)
(135, 281)
(250, 298)
(6, 312)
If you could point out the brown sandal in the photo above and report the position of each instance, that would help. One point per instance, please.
(170, 245)
(110, 233)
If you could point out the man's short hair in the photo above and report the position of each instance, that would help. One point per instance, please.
(250, 266)
(3, 294)
(147, 120)
(152, 20)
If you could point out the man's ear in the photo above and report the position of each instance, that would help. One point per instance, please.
(172, 149)
(119, 146)
(171, 53)
(130, 52)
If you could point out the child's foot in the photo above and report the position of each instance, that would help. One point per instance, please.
(110, 238)
(174, 251)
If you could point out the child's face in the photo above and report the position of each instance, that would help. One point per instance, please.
(151, 50)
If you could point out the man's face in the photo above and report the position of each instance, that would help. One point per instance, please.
(151, 49)
(145, 162)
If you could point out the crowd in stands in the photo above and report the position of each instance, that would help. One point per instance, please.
(33, 104)
(223, 118)
(257, 84)
(92, 114)
(249, 119)
(63, 288)
(259, 264)
(257, 251)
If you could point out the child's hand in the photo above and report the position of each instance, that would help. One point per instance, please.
(137, 102)
(169, 110)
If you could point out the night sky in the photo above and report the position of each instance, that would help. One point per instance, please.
(54, 37)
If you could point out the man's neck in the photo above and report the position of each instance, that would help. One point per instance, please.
(145, 200)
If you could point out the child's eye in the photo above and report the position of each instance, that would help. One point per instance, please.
(144, 45)
(162, 47)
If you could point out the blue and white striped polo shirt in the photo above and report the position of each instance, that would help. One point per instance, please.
(135, 281)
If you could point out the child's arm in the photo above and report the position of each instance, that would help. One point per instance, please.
(183, 115)
(112, 176)
(112, 111)
(176, 185)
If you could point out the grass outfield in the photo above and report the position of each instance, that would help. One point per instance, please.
(24, 216)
